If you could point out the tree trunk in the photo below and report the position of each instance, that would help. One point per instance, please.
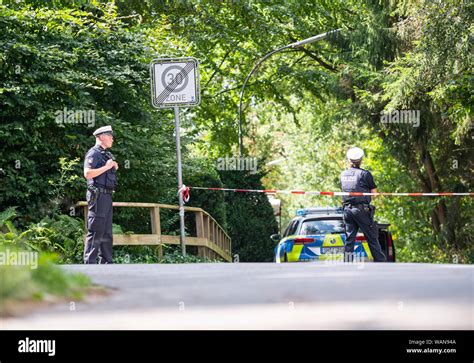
(439, 214)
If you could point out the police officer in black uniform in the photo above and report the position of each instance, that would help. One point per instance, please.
(358, 212)
(100, 171)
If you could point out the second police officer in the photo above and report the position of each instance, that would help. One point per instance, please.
(100, 171)
(358, 212)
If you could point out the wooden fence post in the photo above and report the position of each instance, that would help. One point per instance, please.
(86, 216)
(200, 232)
(156, 228)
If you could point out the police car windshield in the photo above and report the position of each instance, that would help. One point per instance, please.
(322, 226)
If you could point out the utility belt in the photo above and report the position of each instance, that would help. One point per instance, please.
(97, 189)
(357, 205)
(95, 194)
(361, 206)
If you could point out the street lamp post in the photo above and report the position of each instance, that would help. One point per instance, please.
(266, 56)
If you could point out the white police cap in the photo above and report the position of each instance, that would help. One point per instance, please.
(355, 154)
(103, 130)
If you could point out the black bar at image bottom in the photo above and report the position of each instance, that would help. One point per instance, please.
(259, 345)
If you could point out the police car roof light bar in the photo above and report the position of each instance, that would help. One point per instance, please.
(319, 210)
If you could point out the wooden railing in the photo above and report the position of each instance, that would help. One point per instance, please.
(210, 239)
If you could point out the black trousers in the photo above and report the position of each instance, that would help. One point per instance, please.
(356, 217)
(98, 243)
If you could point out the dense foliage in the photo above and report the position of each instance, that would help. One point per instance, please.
(303, 108)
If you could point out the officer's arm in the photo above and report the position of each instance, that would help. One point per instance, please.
(371, 183)
(92, 173)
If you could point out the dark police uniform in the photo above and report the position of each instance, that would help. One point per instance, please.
(98, 241)
(358, 211)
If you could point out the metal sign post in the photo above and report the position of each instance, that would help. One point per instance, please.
(180, 181)
(175, 83)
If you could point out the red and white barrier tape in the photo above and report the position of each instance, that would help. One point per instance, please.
(185, 190)
(332, 194)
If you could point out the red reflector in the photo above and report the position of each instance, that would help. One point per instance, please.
(390, 245)
(360, 238)
(299, 241)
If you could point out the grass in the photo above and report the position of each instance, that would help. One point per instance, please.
(42, 281)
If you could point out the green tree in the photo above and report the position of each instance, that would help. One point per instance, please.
(56, 62)
(250, 217)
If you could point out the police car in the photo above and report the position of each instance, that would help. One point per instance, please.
(318, 234)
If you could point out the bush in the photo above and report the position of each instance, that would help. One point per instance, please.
(148, 254)
(62, 235)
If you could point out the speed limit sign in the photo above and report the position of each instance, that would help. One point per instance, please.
(175, 82)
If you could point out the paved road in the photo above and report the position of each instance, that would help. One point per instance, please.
(267, 296)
